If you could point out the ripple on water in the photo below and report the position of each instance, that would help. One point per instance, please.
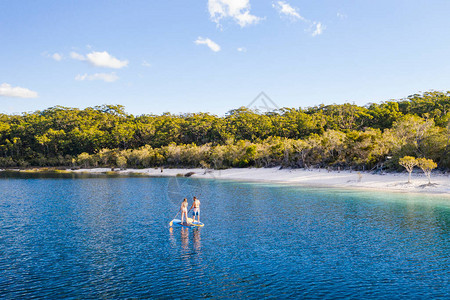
(108, 238)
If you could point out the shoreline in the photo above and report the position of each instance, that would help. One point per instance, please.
(320, 178)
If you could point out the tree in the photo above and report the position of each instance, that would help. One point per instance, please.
(409, 163)
(427, 165)
(121, 161)
(86, 160)
(332, 146)
(384, 114)
(411, 132)
(345, 135)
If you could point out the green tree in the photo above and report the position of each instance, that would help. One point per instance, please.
(86, 160)
(427, 165)
(411, 133)
(121, 161)
(408, 162)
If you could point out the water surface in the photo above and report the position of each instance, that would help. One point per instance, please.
(103, 237)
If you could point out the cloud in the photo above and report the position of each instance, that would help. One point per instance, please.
(105, 60)
(341, 15)
(100, 59)
(241, 49)
(319, 28)
(106, 77)
(146, 64)
(57, 56)
(285, 9)
(77, 56)
(213, 46)
(238, 10)
(8, 91)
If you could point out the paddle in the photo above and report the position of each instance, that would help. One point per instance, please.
(171, 222)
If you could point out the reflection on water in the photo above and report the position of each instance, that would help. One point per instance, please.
(187, 236)
(196, 239)
(107, 238)
(184, 238)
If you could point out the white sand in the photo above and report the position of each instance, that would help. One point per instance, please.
(396, 182)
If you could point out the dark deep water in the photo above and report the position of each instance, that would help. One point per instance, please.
(103, 237)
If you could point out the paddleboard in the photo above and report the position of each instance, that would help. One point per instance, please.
(190, 223)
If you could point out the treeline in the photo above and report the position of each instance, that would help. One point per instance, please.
(344, 135)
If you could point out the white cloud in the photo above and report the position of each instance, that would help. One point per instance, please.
(213, 46)
(242, 49)
(57, 56)
(100, 59)
(146, 64)
(341, 15)
(319, 28)
(238, 10)
(107, 77)
(105, 60)
(77, 56)
(285, 9)
(8, 91)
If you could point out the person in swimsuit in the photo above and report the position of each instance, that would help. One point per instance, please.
(196, 211)
(184, 211)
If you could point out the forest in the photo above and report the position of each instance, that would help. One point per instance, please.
(368, 137)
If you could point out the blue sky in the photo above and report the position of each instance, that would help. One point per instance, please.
(216, 55)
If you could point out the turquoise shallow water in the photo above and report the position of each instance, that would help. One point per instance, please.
(102, 237)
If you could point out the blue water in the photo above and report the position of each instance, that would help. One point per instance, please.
(102, 237)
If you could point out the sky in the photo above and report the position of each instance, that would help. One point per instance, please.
(217, 55)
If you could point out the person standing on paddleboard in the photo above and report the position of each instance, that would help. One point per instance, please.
(196, 211)
(184, 211)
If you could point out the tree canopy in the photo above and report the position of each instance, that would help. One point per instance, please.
(345, 135)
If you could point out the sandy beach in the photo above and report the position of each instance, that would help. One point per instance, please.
(395, 182)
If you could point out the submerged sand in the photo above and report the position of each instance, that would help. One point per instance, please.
(395, 182)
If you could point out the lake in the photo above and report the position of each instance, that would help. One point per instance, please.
(84, 237)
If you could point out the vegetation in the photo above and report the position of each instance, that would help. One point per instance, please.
(409, 163)
(427, 165)
(339, 136)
